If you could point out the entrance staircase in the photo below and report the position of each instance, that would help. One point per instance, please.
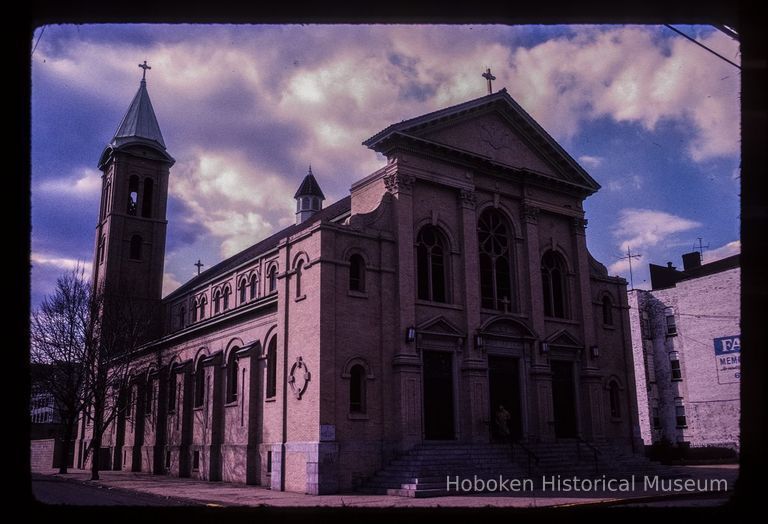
(424, 470)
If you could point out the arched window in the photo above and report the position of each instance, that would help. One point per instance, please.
(431, 265)
(102, 240)
(614, 398)
(272, 368)
(272, 276)
(232, 373)
(135, 250)
(554, 285)
(299, 271)
(495, 244)
(133, 195)
(254, 286)
(356, 273)
(146, 201)
(171, 390)
(193, 309)
(199, 384)
(149, 397)
(241, 289)
(227, 292)
(216, 302)
(182, 315)
(203, 303)
(357, 389)
(607, 311)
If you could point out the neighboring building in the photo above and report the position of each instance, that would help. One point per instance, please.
(453, 280)
(686, 345)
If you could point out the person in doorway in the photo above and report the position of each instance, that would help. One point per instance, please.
(502, 422)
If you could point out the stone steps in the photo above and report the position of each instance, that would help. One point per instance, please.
(424, 471)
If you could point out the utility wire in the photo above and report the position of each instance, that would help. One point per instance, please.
(702, 45)
(38, 39)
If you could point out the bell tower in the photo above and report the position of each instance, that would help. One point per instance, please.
(130, 233)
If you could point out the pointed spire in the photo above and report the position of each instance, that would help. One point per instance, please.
(309, 186)
(139, 121)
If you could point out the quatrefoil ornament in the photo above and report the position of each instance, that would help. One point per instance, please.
(299, 377)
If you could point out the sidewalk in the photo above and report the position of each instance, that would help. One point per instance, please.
(229, 494)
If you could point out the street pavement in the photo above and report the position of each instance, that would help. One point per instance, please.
(140, 489)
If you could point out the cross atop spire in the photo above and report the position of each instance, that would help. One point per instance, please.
(488, 76)
(144, 66)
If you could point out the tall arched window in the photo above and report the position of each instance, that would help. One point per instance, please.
(149, 397)
(133, 195)
(272, 368)
(614, 398)
(135, 250)
(554, 285)
(607, 311)
(299, 271)
(495, 243)
(171, 390)
(199, 384)
(216, 302)
(100, 255)
(241, 290)
(357, 389)
(203, 303)
(272, 276)
(431, 265)
(193, 309)
(254, 286)
(356, 273)
(146, 200)
(232, 373)
(182, 315)
(226, 293)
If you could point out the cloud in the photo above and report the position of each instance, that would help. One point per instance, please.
(622, 266)
(169, 283)
(231, 199)
(731, 248)
(85, 183)
(631, 75)
(591, 161)
(60, 263)
(643, 228)
(244, 109)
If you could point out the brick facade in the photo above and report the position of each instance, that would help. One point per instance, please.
(351, 389)
(705, 307)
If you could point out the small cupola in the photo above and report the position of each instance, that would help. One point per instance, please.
(309, 198)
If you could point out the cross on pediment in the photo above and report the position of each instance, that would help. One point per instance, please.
(489, 77)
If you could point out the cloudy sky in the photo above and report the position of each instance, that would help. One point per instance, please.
(652, 117)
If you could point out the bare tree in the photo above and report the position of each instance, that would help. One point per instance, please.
(59, 341)
(122, 325)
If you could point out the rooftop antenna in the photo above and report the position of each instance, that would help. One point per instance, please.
(629, 256)
(700, 249)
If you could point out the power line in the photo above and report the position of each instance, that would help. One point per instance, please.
(702, 45)
(38, 39)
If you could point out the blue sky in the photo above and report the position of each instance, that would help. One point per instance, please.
(244, 109)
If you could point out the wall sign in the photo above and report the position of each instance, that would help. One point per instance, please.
(728, 359)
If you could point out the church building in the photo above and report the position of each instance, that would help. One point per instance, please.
(451, 282)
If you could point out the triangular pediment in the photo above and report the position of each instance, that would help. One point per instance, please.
(493, 128)
(439, 326)
(491, 135)
(564, 339)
